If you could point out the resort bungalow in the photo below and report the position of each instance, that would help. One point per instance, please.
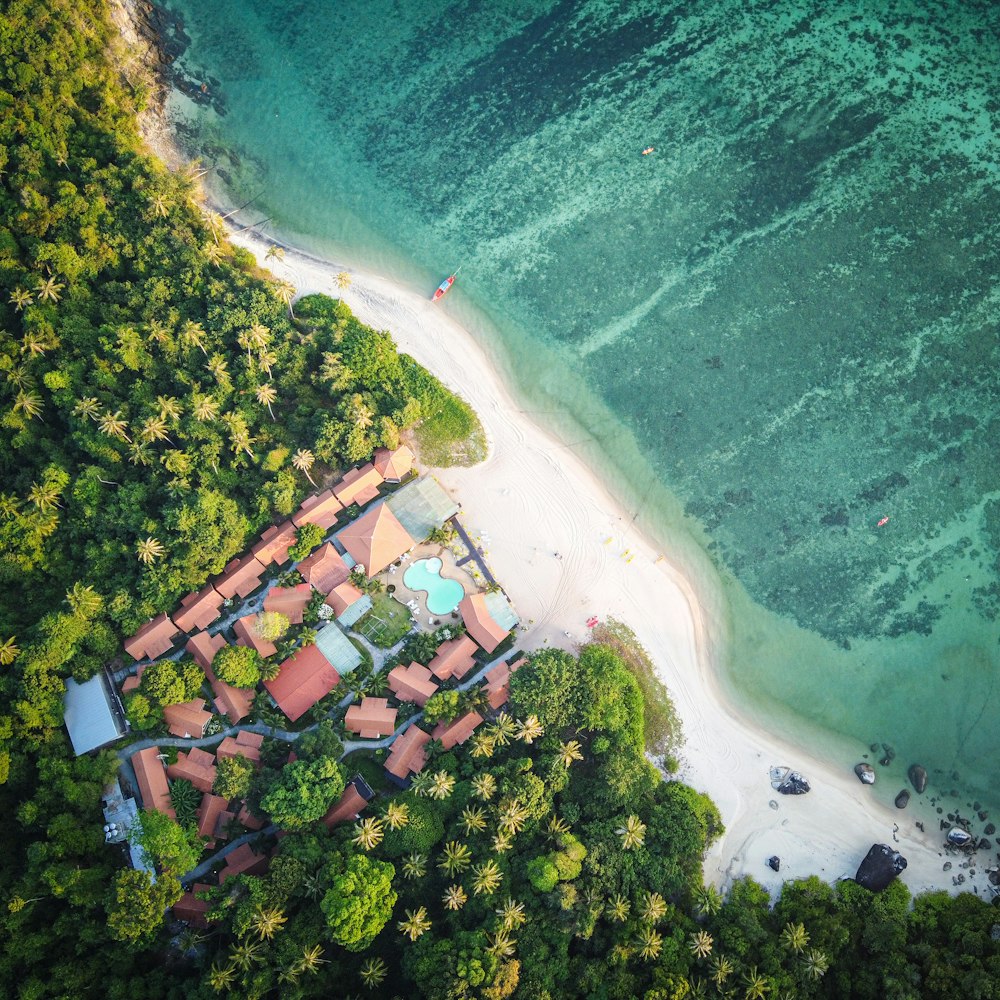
(152, 780)
(196, 766)
(376, 539)
(247, 635)
(187, 719)
(213, 818)
(199, 610)
(324, 569)
(454, 658)
(348, 603)
(243, 861)
(90, 712)
(359, 486)
(496, 682)
(413, 683)
(321, 509)
(289, 601)
(241, 576)
(246, 744)
(230, 701)
(303, 679)
(488, 618)
(274, 544)
(132, 682)
(154, 639)
(407, 756)
(452, 734)
(371, 719)
(393, 466)
(356, 796)
(190, 908)
(249, 820)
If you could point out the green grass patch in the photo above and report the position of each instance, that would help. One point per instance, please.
(363, 762)
(393, 616)
(663, 725)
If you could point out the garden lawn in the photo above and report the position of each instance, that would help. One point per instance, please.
(395, 621)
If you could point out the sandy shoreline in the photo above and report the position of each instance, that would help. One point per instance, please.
(532, 498)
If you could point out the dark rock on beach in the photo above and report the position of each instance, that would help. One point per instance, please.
(774, 863)
(957, 837)
(794, 784)
(989, 829)
(902, 800)
(865, 773)
(880, 866)
(918, 778)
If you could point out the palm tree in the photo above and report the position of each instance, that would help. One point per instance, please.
(170, 407)
(569, 752)
(285, 292)
(421, 783)
(815, 963)
(503, 729)
(154, 429)
(484, 786)
(303, 460)
(159, 205)
(486, 878)
(454, 897)
(530, 729)
(482, 745)
(192, 334)
(794, 937)
(650, 943)
(633, 833)
(511, 914)
(722, 968)
(36, 344)
(707, 901)
(373, 972)
(342, 280)
(44, 496)
(397, 815)
(267, 923)
(415, 924)
(221, 977)
(370, 833)
(700, 944)
(49, 290)
(214, 253)
(29, 403)
(697, 990)
(274, 252)
(114, 425)
(502, 842)
(456, 858)
(473, 819)
(84, 600)
(757, 986)
(205, 408)
(556, 827)
(258, 337)
(21, 298)
(618, 908)
(87, 407)
(512, 816)
(654, 908)
(245, 954)
(442, 785)
(314, 886)
(8, 651)
(500, 945)
(415, 865)
(266, 394)
(149, 550)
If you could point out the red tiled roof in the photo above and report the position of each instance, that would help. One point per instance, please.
(241, 576)
(456, 732)
(199, 610)
(393, 465)
(321, 509)
(191, 909)
(239, 747)
(212, 818)
(480, 623)
(243, 861)
(246, 635)
(324, 569)
(408, 754)
(187, 718)
(132, 682)
(153, 788)
(196, 766)
(303, 679)
(496, 681)
(343, 596)
(250, 821)
(376, 539)
(371, 719)
(203, 648)
(289, 601)
(453, 658)
(413, 683)
(274, 543)
(359, 485)
(348, 807)
(153, 639)
(232, 701)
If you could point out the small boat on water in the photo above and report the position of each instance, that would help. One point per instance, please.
(445, 286)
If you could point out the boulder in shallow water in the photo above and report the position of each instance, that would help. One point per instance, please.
(774, 863)
(957, 837)
(918, 778)
(794, 784)
(865, 773)
(881, 865)
(902, 800)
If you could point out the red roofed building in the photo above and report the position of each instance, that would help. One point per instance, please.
(408, 754)
(496, 681)
(199, 610)
(246, 635)
(203, 648)
(324, 569)
(190, 908)
(376, 539)
(152, 780)
(154, 639)
(371, 719)
(413, 683)
(454, 658)
(250, 821)
(454, 733)
(289, 601)
(196, 766)
(274, 543)
(246, 744)
(187, 719)
(392, 466)
(480, 623)
(132, 682)
(351, 803)
(213, 817)
(359, 485)
(321, 509)
(243, 861)
(345, 595)
(241, 576)
(303, 679)
(231, 701)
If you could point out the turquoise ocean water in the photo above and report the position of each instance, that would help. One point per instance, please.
(772, 332)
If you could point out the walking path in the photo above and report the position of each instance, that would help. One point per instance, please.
(474, 552)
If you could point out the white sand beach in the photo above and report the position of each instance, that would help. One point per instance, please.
(533, 498)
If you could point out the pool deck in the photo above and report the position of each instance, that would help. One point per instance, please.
(451, 569)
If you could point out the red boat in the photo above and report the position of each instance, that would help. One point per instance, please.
(445, 286)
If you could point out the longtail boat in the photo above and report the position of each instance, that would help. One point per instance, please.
(445, 286)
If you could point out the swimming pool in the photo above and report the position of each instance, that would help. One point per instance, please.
(443, 594)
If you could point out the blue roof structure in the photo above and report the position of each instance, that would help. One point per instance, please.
(89, 714)
(342, 654)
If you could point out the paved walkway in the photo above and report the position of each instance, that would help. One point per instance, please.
(474, 553)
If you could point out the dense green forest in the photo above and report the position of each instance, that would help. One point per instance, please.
(161, 404)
